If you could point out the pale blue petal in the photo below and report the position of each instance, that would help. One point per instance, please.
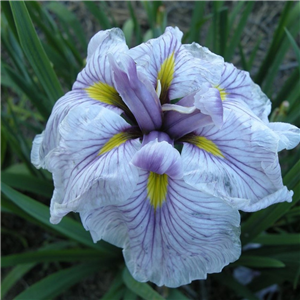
(49, 139)
(98, 68)
(83, 177)
(247, 174)
(289, 135)
(239, 87)
(190, 236)
(151, 55)
(106, 40)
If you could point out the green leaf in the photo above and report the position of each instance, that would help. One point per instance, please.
(137, 28)
(176, 294)
(278, 239)
(259, 262)
(67, 226)
(116, 289)
(3, 146)
(18, 83)
(69, 18)
(129, 295)
(54, 255)
(287, 16)
(276, 62)
(98, 13)
(128, 30)
(235, 40)
(295, 46)
(13, 276)
(34, 51)
(223, 30)
(9, 17)
(239, 289)
(142, 289)
(54, 284)
(28, 183)
(289, 85)
(197, 17)
(17, 273)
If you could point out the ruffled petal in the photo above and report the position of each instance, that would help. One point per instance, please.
(236, 85)
(96, 78)
(165, 59)
(98, 68)
(91, 165)
(189, 236)
(210, 64)
(48, 140)
(106, 41)
(237, 162)
(289, 135)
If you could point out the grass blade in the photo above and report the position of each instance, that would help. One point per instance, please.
(56, 283)
(42, 256)
(13, 276)
(259, 262)
(28, 183)
(142, 289)
(278, 239)
(34, 52)
(232, 45)
(276, 42)
(295, 46)
(197, 17)
(239, 289)
(98, 13)
(67, 226)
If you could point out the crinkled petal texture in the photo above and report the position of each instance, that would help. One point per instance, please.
(94, 85)
(96, 79)
(190, 235)
(165, 59)
(237, 162)
(49, 138)
(289, 135)
(91, 164)
(233, 84)
(236, 85)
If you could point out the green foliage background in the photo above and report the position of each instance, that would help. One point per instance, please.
(43, 46)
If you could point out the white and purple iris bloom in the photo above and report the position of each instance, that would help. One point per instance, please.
(158, 147)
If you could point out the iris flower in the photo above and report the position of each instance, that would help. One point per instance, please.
(158, 147)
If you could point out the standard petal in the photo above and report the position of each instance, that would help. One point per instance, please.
(189, 236)
(165, 59)
(106, 40)
(237, 162)
(289, 135)
(96, 78)
(49, 139)
(91, 165)
(210, 64)
(98, 69)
